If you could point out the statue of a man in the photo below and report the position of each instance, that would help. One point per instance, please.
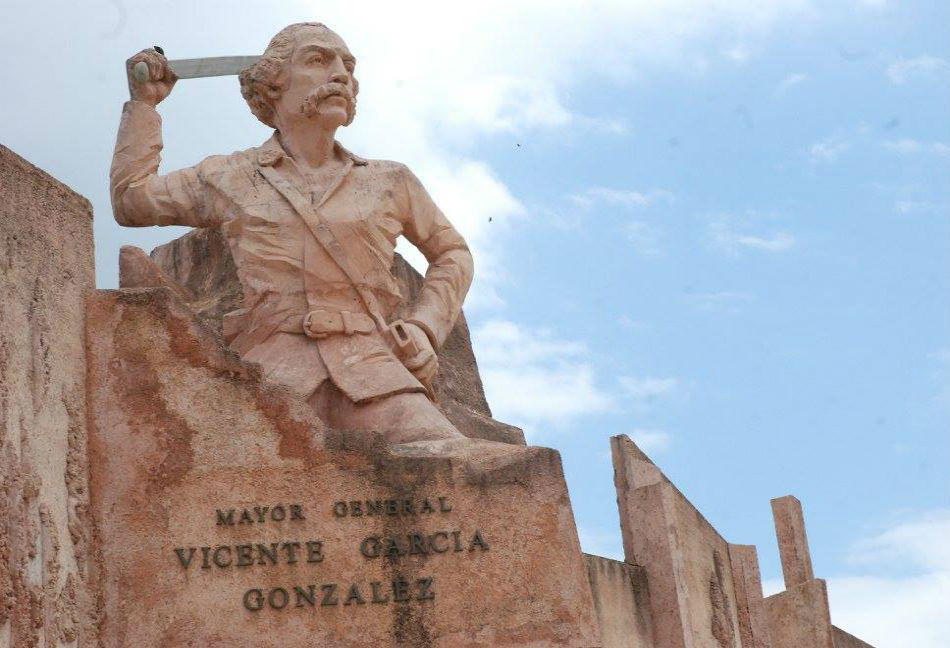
(312, 229)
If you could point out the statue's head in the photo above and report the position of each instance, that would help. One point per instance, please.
(306, 70)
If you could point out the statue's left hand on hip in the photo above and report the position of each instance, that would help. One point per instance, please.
(424, 364)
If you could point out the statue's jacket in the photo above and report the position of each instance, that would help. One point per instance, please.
(285, 271)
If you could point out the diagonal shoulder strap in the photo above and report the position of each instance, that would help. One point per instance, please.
(311, 216)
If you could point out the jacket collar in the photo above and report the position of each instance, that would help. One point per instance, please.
(271, 152)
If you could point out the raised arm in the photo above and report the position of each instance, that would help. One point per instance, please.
(450, 263)
(141, 197)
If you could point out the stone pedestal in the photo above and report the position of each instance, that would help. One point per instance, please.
(227, 515)
(800, 617)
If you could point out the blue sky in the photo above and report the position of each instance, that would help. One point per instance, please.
(718, 226)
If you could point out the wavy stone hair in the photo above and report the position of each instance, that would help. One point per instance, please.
(263, 82)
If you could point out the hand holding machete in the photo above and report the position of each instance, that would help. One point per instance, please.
(150, 77)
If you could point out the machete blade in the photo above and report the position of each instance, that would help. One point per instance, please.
(197, 68)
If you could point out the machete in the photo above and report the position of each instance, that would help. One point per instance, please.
(200, 67)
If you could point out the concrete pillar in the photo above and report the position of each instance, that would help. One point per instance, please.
(792, 541)
(753, 622)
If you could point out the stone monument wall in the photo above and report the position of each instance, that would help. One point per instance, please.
(46, 260)
(155, 493)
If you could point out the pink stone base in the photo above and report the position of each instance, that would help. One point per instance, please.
(180, 429)
(799, 617)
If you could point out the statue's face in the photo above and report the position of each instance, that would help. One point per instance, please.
(320, 82)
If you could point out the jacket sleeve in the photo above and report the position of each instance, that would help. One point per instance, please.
(450, 263)
(141, 197)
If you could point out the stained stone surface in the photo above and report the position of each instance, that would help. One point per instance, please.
(792, 540)
(622, 602)
(199, 267)
(485, 553)
(46, 264)
(799, 617)
(753, 621)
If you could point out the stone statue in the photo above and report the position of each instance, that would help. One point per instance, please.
(312, 230)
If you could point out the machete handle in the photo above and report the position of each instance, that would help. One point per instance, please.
(140, 69)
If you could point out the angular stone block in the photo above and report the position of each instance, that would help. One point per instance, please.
(622, 603)
(799, 617)
(46, 268)
(227, 515)
(750, 604)
(792, 541)
(692, 596)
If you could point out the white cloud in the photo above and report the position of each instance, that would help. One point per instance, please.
(739, 53)
(609, 125)
(942, 377)
(922, 542)
(594, 196)
(828, 150)
(648, 389)
(895, 611)
(723, 237)
(645, 238)
(651, 441)
(911, 206)
(724, 300)
(911, 146)
(532, 378)
(630, 323)
(903, 69)
(790, 82)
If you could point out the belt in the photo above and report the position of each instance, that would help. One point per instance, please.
(322, 323)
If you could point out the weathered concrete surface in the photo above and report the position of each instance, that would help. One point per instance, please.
(622, 602)
(792, 540)
(750, 604)
(179, 429)
(46, 261)
(692, 596)
(799, 617)
(847, 640)
(200, 265)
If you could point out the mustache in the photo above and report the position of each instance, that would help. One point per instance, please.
(313, 99)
